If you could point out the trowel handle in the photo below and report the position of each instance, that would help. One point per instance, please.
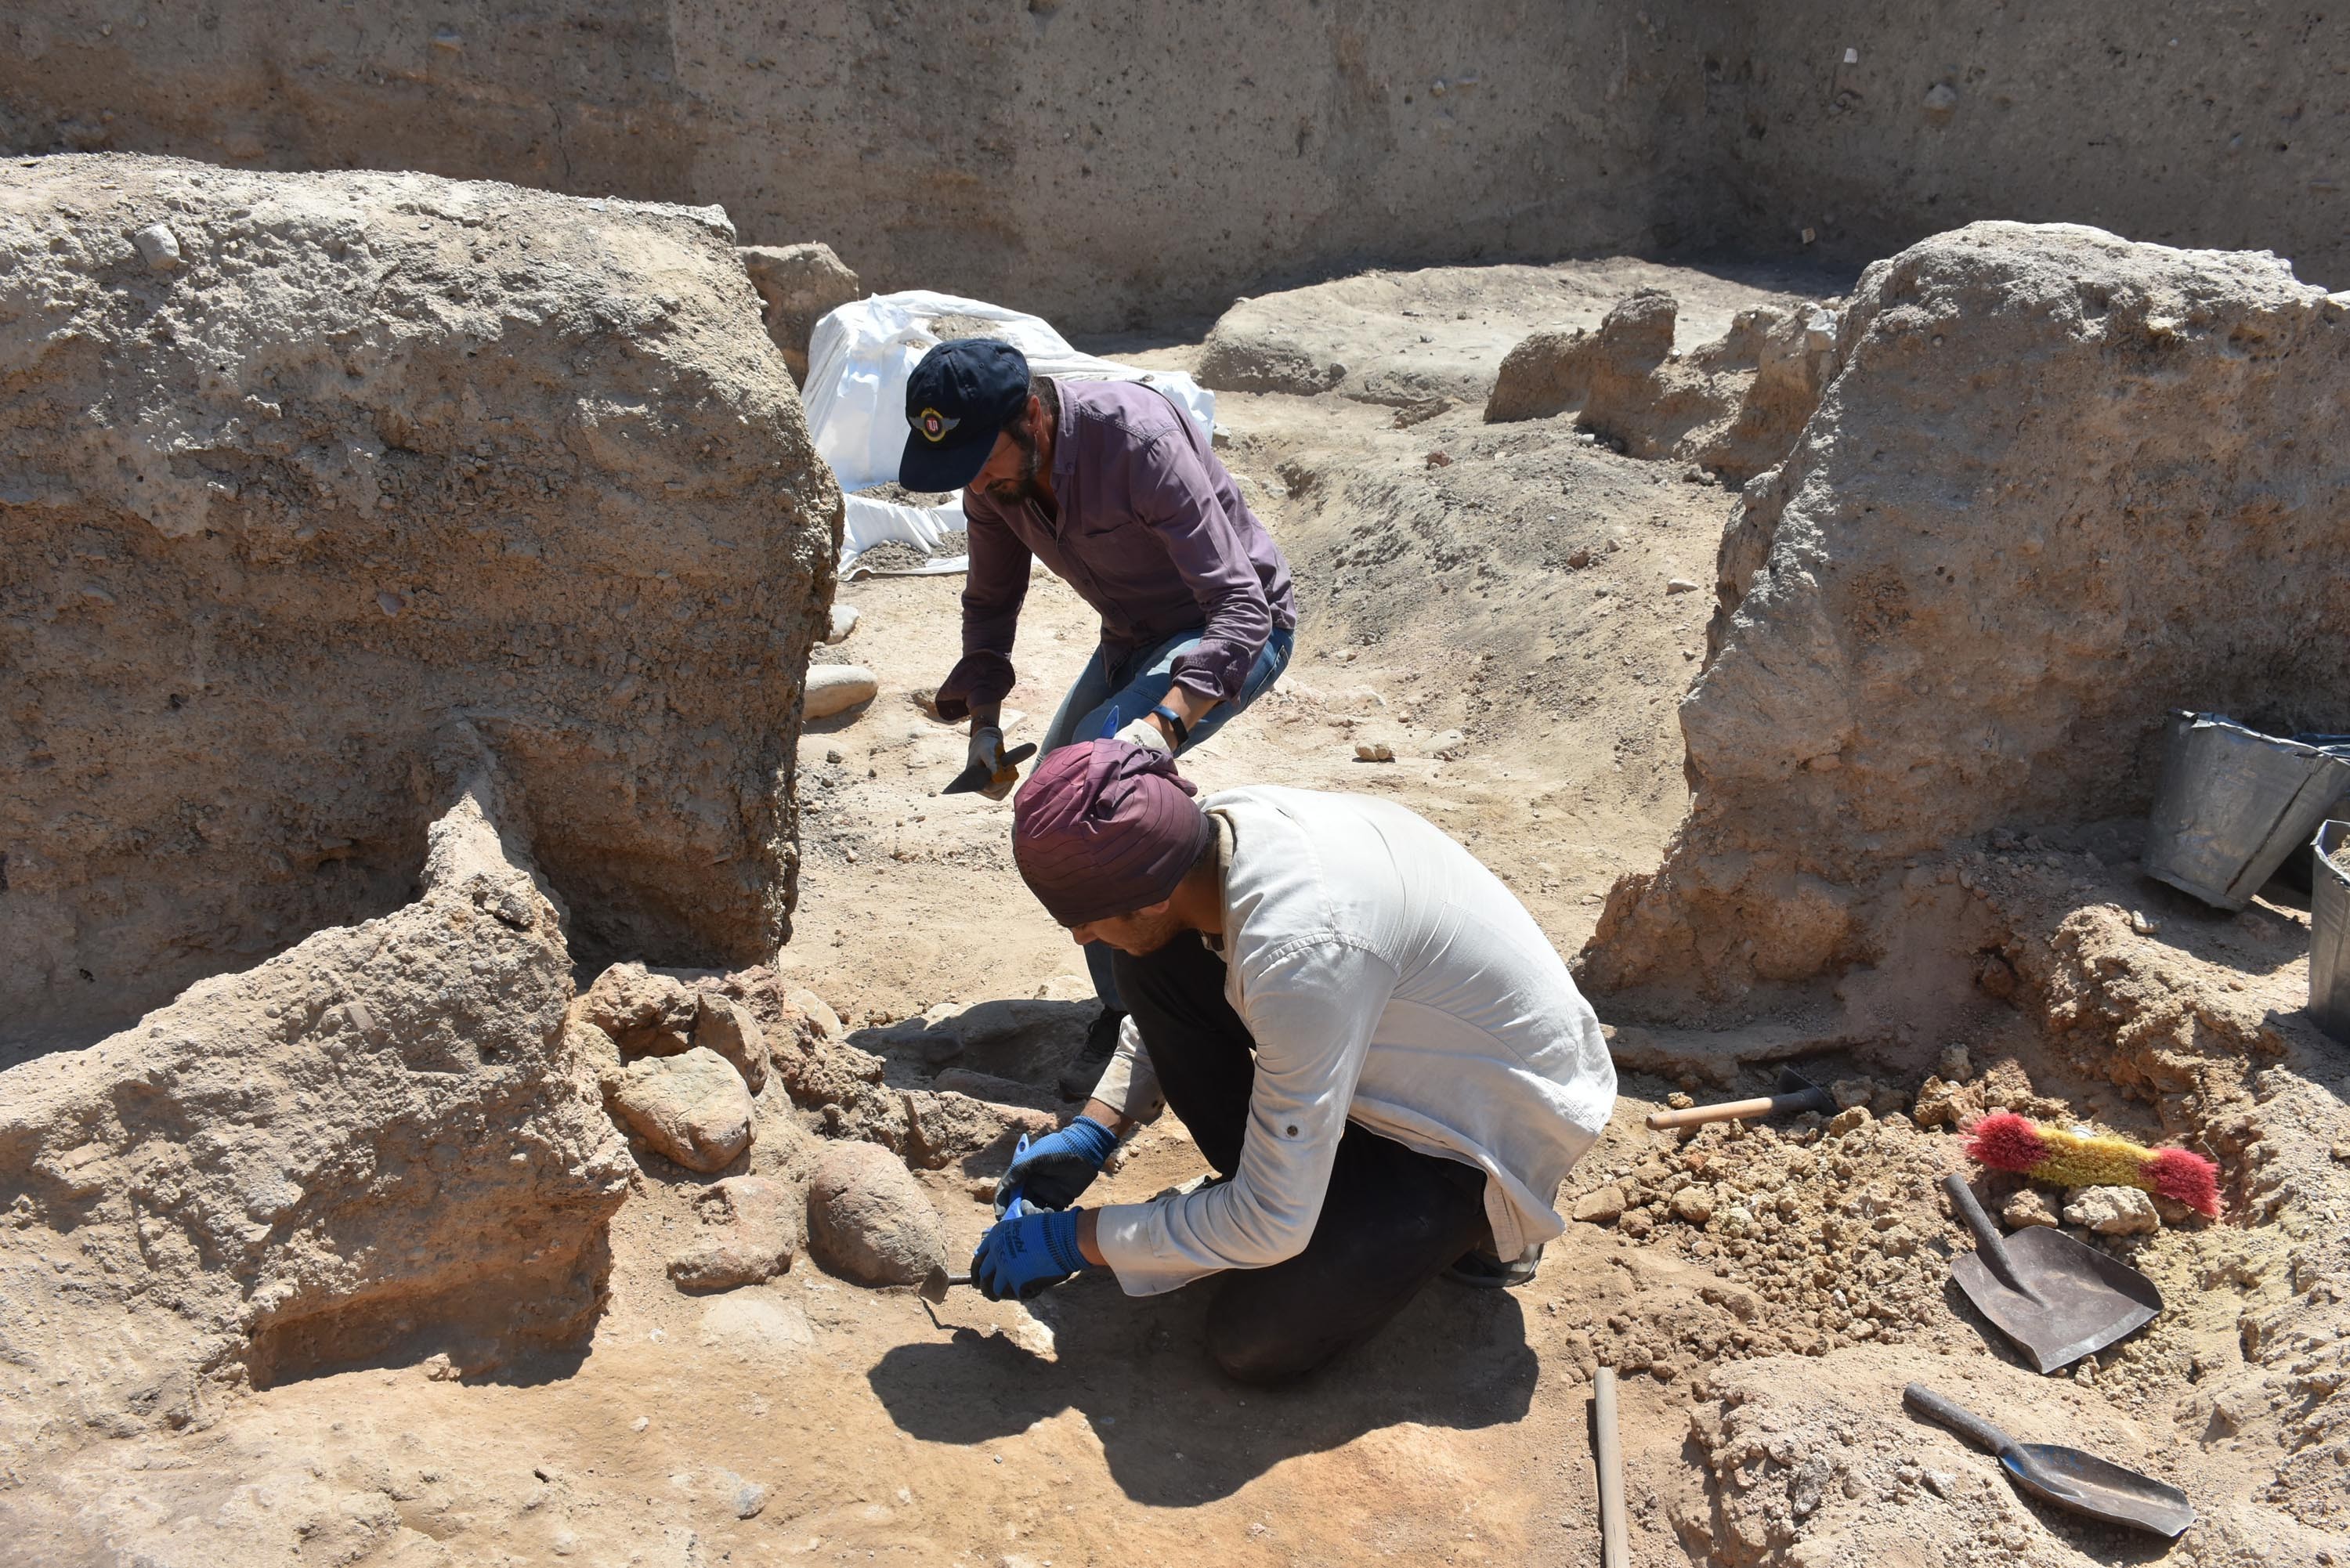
(1988, 1243)
(1956, 1417)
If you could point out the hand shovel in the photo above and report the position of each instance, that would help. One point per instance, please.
(2065, 1476)
(979, 775)
(2056, 1298)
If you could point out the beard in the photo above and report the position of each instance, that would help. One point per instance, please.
(1012, 491)
(1146, 934)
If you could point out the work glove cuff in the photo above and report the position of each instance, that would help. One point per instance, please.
(1091, 1139)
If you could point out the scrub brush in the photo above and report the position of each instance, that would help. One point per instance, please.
(2006, 1141)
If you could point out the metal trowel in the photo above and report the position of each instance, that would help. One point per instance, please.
(978, 776)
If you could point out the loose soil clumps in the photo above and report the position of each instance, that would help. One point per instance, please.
(353, 456)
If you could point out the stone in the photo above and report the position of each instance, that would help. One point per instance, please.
(2112, 1211)
(748, 1498)
(843, 622)
(1957, 1066)
(646, 1012)
(551, 428)
(2027, 1207)
(1848, 1119)
(837, 688)
(691, 1108)
(1679, 585)
(1853, 619)
(869, 1219)
(1693, 1204)
(158, 247)
(727, 1026)
(750, 1228)
(1601, 1206)
(1636, 1223)
(1850, 1091)
(1374, 752)
(1732, 406)
(378, 1143)
(798, 286)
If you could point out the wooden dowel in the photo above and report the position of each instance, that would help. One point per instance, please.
(1615, 1530)
(1728, 1111)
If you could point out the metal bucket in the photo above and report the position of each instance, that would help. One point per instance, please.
(2233, 803)
(2329, 934)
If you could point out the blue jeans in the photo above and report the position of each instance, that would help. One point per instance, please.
(1134, 683)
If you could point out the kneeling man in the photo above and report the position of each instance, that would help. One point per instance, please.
(1379, 1054)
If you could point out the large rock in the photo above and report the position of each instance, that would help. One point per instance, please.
(867, 1218)
(377, 1144)
(692, 1108)
(797, 284)
(380, 451)
(2061, 486)
(1733, 405)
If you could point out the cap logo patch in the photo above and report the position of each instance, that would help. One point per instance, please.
(934, 425)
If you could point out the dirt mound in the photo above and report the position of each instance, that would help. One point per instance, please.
(1732, 406)
(300, 469)
(2061, 486)
(378, 1143)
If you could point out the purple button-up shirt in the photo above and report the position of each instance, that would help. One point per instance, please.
(1152, 532)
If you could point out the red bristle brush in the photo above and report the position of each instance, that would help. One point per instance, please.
(2006, 1141)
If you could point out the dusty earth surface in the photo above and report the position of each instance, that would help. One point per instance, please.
(1498, 606)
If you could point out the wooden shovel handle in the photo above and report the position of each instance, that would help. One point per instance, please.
(1728, 1111)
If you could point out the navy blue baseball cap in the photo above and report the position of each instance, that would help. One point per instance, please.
(957, 398)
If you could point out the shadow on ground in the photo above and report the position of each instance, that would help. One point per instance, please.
(1174, 1430)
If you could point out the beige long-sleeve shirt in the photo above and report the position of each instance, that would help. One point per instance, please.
(1388, 979)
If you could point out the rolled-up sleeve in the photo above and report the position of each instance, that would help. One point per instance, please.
(1129, 1085)
(994, 590)
(1173, 494)
(1311, 1011)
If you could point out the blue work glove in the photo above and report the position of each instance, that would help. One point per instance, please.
(1051, 1172)
(1026, 1251)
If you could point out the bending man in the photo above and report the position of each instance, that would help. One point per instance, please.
(1118, 492)
(1379, 1054)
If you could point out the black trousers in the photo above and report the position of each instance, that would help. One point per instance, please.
(1393, 1219)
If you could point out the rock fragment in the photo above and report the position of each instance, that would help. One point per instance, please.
(727, 1026)
(944, 1128)
(2112, 1211)
(2027, 1207)
(1693, 1204)
(845, 621)
(692, 1108)
(1602, 1206)
(646, 1012)
(869, 1219)
(837, 688)
(750, 1226)
(158, 247)
(1374, 752)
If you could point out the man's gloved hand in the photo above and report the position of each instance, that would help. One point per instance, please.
(987, 748)
(1143, 732)
(1026, 1251)
(1051, 1172)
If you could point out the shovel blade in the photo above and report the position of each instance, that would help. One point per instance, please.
(2078, 1301)
(2089, 1485)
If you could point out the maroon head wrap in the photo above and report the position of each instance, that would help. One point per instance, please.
(1105, 829)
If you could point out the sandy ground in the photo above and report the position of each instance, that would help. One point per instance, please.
(1504, 619)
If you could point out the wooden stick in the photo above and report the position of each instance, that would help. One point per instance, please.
(1615, 1530)
(1728, 1111)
